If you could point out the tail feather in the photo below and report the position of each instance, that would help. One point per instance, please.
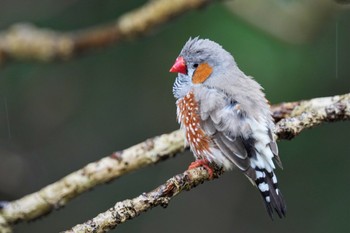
(272, 196)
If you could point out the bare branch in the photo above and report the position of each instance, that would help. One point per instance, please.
(310, 113)
(283, 110)
(4, 226)
(111, 167)
(302, 115)
(297, 116)
(129, 209)
(25, 41)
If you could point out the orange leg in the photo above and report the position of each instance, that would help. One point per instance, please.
(202, 163)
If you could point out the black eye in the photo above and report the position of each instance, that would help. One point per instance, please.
(195, 65)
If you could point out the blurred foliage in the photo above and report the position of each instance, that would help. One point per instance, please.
(57, 117)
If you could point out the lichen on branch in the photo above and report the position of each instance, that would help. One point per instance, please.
(131, 208)
(291, 119)
(106, 169)
(310, 113)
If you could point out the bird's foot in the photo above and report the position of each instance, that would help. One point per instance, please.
(202, 163)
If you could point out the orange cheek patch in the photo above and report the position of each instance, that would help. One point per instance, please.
(202, 72)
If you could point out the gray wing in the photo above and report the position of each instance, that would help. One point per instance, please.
(229, 131)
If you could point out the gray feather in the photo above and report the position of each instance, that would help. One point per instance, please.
(208, 127)
(242, 164)
(251, 174)
(274, 149)
(235, 145)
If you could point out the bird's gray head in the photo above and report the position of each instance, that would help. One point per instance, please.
(199, 58)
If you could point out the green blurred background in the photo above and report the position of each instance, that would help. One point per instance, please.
(57, 117)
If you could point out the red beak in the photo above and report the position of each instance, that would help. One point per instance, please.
(179, 66)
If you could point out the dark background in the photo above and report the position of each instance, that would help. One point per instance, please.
(57, 117)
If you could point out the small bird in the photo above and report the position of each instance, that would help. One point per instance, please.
(226, 118)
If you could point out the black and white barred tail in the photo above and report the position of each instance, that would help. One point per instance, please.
(267, 184)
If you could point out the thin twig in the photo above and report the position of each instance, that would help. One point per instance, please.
(129, 209)
(25, 41)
